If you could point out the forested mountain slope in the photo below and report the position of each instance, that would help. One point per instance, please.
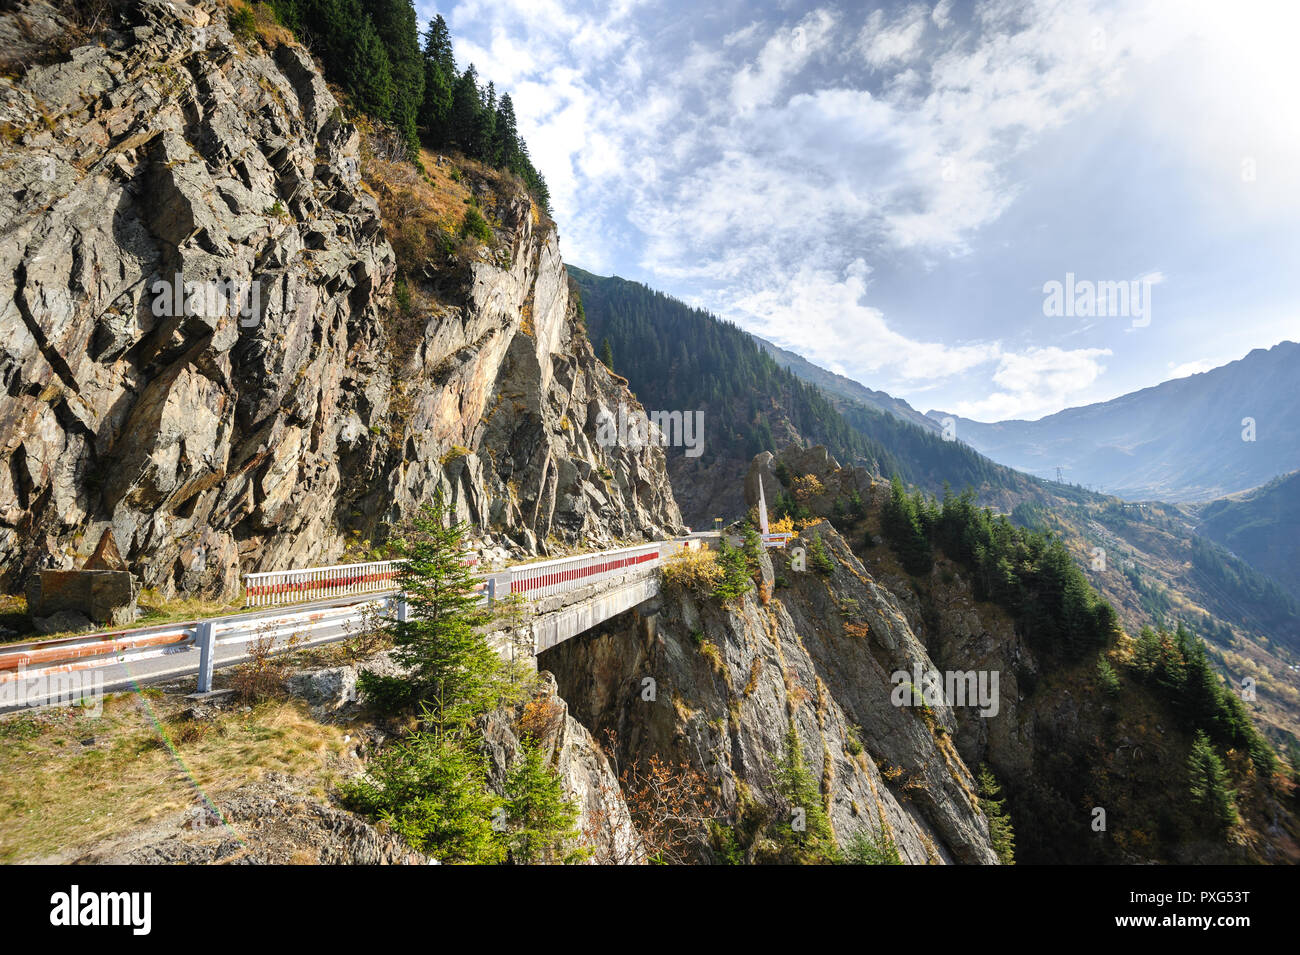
(680, 358)
(1262, 527)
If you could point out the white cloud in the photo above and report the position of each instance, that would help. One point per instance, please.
(782, 56)
(1191, 367)
(1036, 382)
(898, 41)
(822, 316)
(766, 171)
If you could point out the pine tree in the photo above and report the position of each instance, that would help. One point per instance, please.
(465, 123)
(395, 23)
(505, 135)
(437, 44)
(454, 675)
(813, 841)
(366, 70)
(1202, 693)
(539, 817)
(607, 354)
(439, 80)
(735, 582)
(1001, 835)
(901, 522)
(1209, 783)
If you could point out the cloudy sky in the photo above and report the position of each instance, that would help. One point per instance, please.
(887, 188)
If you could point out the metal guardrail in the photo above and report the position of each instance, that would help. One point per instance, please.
(84, 652)
(42, 658)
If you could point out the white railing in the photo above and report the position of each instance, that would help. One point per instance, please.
(563, 574)
(319, 583)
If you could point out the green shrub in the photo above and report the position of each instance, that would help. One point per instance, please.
(819, 557)
(475, 226)
(1107, 678)
(434, 794)
(243, 22)
(874, 847)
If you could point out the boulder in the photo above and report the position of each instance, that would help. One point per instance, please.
(327, 689)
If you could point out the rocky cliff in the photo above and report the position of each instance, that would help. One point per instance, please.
(797, 658)
(197, 345)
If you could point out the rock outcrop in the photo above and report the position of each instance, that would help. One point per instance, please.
(806, 650)
(1060, 745)
(196, 344)
(273, 821)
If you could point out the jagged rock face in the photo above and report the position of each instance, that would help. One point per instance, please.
(510, 395)
(256, 433)
(788, 659)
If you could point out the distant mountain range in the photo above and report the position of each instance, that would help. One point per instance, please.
(1206, 436)
(1181, 442)
(754, 399)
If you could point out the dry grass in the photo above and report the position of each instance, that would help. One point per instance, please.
(422, 212)
(266, 26)
(145, 762)
(174, 609)
(695, 570)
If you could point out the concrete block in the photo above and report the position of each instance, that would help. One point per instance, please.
(107, 597)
